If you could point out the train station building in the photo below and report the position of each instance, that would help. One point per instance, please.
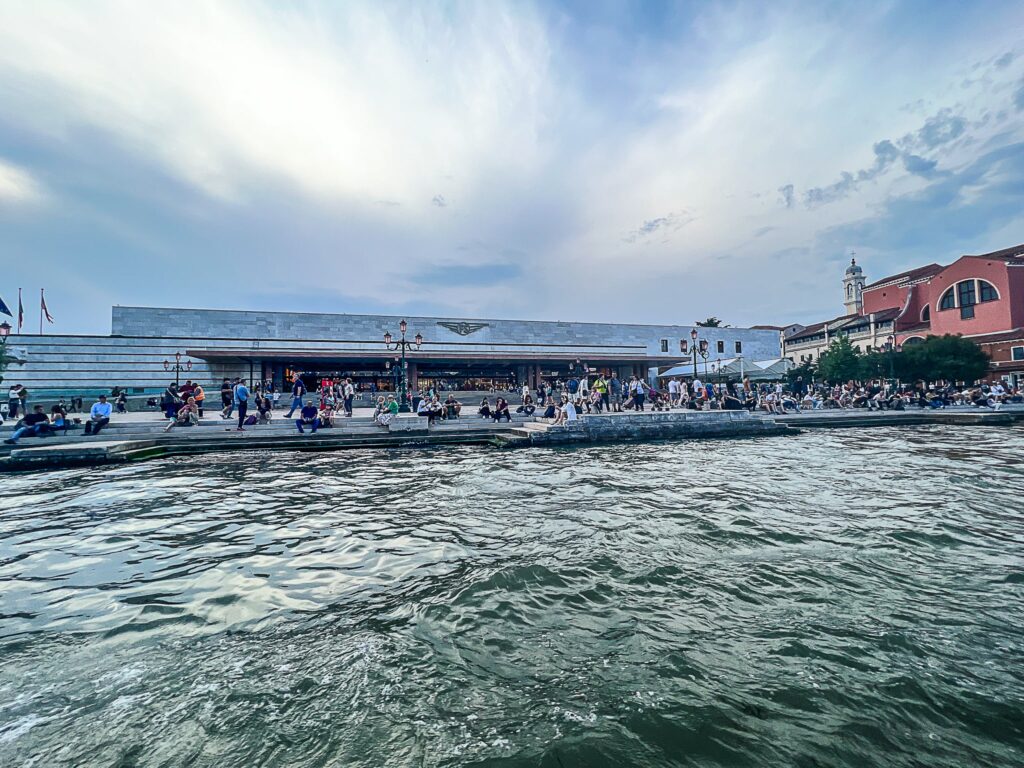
(146, 343)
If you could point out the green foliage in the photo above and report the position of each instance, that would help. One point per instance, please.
(711, 322)
(806, 369)
(877, 365)
(840, 362)
(947, 358)
(5, 359)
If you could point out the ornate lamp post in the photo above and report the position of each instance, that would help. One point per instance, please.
(177, 366)
(699, 348)
(404, 346)
(891, 347)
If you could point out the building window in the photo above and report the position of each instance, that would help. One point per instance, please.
(721, 347)
(926, 314)
(664, 345)
(967, 298)
(684, 345)
(1017, 353)
(986, 291)
(948, 300)
(739, 347)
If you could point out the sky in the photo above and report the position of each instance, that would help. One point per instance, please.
(598, 161)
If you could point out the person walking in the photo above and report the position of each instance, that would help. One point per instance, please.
(241, 400)
(298, 392)
(638, 390)
(226, 398)
(615, 391)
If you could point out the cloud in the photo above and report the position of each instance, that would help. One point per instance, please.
(671, 222)
(940, 129)
(1004, 61)
(918, 165)
(226, 96)
(18, 186)
(885, 155)
(1018, 97)
(317, 135)
(468, 274)
(958, 211)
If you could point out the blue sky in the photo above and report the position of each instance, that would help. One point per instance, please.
(629, 161)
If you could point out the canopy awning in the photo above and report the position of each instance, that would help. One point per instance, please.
(734, 367)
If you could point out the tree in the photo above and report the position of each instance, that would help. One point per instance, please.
(711, 322)
(5, 359)
(948, 358)
(806, 370)
(840, 362)
(876, 365)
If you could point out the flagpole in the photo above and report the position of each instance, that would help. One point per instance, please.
(40, 311)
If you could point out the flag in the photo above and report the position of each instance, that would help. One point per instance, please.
(21, 312)
(42, 305)
(5, 309)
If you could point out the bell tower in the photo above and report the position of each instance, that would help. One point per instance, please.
(853, 288)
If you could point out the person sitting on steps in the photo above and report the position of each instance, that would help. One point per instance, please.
(35, 424)
(99, 416)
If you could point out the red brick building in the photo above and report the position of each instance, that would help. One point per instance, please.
(981, 297)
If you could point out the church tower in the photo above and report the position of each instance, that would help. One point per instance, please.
(853, 288)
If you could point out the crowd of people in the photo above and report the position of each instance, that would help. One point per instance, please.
(557, 400)
(39, 423)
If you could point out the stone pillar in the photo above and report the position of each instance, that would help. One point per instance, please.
(414, 378)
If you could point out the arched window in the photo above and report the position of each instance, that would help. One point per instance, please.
(849, 291)
(948, 299)
(912, 340)
(987, 291)
(926, 314)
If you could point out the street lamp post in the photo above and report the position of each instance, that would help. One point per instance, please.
(891, 347)
(177, 366)
(403, 346)
(699, 348)
(693, 338)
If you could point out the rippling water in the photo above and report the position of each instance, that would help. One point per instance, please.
(847, 598)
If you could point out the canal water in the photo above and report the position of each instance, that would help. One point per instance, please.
(845, 598)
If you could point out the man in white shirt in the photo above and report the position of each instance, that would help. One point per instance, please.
(567, 412)
(99, 416)
(673, 391)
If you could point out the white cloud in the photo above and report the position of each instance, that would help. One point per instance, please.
(17, 186)
(638, 166)
(349, 102)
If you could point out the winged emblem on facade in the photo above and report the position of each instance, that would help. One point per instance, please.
(463, 329)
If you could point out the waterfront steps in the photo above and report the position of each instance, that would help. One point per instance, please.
(141, 439)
